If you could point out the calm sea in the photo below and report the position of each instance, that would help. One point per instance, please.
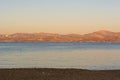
(60, 55)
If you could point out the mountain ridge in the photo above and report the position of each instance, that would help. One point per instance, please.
(98, 36)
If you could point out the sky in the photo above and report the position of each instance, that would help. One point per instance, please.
(59, 16)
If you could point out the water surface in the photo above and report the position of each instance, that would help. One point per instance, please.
(60, 55)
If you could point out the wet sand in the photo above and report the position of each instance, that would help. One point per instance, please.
(58, 74)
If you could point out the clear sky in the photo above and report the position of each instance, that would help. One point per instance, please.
(59, 16)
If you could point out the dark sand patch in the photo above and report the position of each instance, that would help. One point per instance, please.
(58, 74)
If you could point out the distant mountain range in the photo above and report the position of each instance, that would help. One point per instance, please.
(98, 36)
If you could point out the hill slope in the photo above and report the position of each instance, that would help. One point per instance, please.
(99, 36)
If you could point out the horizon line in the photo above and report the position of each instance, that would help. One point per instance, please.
(56, 33)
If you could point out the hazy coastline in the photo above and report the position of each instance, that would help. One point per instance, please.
(98, 36)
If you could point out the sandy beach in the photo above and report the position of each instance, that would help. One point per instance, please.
(58, 74)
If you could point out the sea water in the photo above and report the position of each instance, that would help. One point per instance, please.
(94, 56)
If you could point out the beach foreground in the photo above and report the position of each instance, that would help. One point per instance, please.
(58, 74)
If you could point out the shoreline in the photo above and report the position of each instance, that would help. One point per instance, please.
(58, 42)
(57, 74)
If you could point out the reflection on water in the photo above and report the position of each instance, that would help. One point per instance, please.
(60, 55)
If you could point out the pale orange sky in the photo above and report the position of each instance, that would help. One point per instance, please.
(63, 16)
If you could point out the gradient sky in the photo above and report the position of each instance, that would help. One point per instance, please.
(59, 16)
